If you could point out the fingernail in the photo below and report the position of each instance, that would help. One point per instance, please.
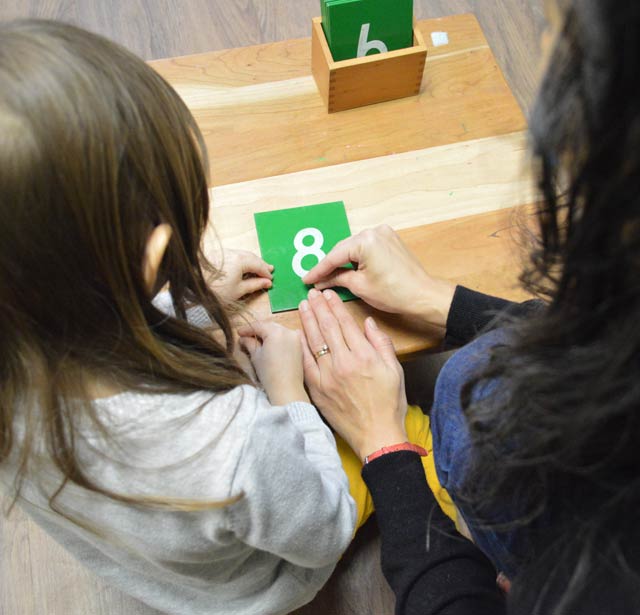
(269, 284)
(313, 293)
(372, 323)
(304, 306)
(271, 267)
(328, 294)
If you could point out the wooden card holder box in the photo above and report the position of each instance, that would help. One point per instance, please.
(364, 81)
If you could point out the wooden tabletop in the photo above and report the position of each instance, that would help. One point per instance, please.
(446, 168)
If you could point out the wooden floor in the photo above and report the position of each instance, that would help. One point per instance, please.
(38, 577)
(164, 28)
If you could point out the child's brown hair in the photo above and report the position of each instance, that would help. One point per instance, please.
(96, 149)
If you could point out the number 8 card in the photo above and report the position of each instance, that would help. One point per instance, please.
(294, 241)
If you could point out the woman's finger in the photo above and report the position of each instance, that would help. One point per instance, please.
(312, 333)
(340, 277)
(309, 365)
(351, 331)
(380, 341)
(343, 252)
(329, 326)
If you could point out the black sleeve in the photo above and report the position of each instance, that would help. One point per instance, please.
(472, 312)
(431, 569)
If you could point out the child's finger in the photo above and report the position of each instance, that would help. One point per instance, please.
(252, 263)
(250, 344)
(246, 330)
(252, 285)
(253, 329)
(258, 328)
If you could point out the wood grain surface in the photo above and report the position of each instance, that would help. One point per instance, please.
(37, 577)
(280, 125)
(449, 185)
(403, 190)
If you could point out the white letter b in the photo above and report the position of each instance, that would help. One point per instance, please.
(365, 46)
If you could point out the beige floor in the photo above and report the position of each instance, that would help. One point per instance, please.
(36, 576)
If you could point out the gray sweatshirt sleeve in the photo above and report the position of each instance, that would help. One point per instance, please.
(297, 503)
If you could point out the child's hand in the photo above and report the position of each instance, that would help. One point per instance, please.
(276, 355)
(243, 273)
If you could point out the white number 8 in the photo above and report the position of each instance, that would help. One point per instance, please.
(302, 250)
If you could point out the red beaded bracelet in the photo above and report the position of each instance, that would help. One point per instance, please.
(403, 446)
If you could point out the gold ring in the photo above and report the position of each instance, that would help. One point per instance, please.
(323, 351)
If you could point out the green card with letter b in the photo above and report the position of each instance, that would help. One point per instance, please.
(357, 28)
(294, 241)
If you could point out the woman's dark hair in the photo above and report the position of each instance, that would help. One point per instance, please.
(560, 440)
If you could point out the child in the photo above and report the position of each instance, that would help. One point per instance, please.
(134, 437)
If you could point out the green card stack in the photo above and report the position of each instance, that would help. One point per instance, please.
(356, 28)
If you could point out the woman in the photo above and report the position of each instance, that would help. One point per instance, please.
(536, 424)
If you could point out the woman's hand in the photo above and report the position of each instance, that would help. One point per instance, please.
(276, 356)
(387, 276)
(242, 273)
(359, 384)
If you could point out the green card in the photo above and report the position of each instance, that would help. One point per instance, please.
(294, 241)
(357, 28)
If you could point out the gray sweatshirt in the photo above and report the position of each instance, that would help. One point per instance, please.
(269, 552)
